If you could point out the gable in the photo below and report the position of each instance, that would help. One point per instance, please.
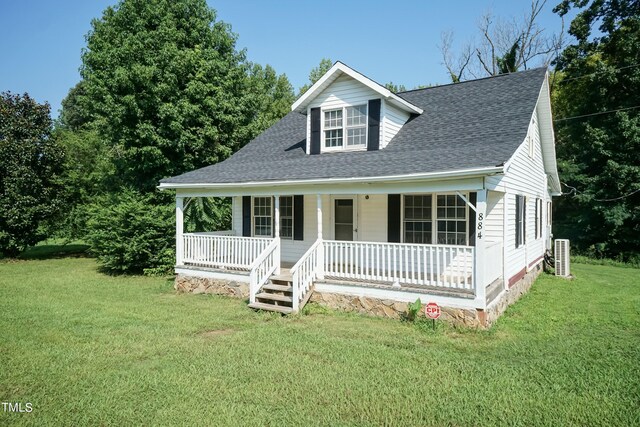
(345, 91)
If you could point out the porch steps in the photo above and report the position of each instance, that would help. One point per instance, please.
(277, 295)
(271, 307)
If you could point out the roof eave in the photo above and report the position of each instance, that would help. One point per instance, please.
(463, 173)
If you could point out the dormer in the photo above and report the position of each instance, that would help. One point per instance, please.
(347, 111)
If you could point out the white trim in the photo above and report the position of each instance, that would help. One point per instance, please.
(338, 69)
(403, 296)
(389, 178)
(344, 146)
(332, 216)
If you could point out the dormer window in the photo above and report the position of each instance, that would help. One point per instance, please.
(349, 121)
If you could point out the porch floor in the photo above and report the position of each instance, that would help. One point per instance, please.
(285, 275)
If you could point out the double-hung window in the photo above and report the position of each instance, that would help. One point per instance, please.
(418, 221)
(521, 222)
(345, 128)
(262, 215)
(286, 217)
(452, 220)
(435, 219)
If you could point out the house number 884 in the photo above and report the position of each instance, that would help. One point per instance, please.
(480, 219)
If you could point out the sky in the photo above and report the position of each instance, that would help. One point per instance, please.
(41, 41)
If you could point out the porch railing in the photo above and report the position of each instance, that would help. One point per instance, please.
(440, 266)
(493, 262)
(209, 250)
(304, 272)
(267, 263)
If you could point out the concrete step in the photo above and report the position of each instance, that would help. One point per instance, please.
(271, 307)
(277, 288)
(274, 297)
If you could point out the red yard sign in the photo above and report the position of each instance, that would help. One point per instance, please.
(432, 310)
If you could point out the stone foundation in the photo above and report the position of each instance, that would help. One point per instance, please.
(201, 285)
(514, 293)
(455, 316)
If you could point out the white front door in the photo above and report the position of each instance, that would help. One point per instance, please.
(344, 218)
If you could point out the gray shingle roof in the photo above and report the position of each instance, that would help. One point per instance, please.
(474, 124)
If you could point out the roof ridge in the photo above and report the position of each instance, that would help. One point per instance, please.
(474, 80)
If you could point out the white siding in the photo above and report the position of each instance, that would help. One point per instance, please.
(344, 91)
(525, 176)
(391, 121)
(493, 223)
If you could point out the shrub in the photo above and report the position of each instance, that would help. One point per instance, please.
(130, 234)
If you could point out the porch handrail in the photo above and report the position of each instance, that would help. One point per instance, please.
(304, 272)
(214, 233)
(267, 263)
(222, 251)
(439, 266)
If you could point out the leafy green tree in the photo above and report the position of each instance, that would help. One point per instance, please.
(598, 128)
(128, 233)
(315, 74)
(30, 166)
(166, 87)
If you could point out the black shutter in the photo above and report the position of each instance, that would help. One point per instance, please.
(298, 217)
(393, 218)
(315, 131)
(373, 137)
(246, 216)
(473, 198)
(518, 228)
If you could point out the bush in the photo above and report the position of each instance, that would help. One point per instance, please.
(130, 234)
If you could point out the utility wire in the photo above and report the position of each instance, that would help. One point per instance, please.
(597, 72)
(596, 114)
(574, 192)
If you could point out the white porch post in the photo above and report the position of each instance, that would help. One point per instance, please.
(320, 246)
(276, 233)
(179, 230)
(480, 258)
(276, 218)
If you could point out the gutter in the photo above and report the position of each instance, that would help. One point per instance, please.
(493, 170)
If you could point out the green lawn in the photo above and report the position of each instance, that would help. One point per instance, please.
(89, 349)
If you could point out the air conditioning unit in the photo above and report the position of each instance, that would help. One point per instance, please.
(561, 255)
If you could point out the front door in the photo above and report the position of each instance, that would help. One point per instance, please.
(343, 218)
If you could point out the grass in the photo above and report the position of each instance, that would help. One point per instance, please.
(89, 349)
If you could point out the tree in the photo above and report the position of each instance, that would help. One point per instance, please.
(504, 46)
(598, 128)
(30, 165)
(315, 74)
(167, 89)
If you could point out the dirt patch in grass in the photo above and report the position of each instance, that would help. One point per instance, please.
(217, 332)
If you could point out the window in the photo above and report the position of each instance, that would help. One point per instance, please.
(418, 219)
(452, 220)
(262, 214)
(521, 210)
(333, 128)
(538, 218)
(286, 217)
(349, 121)
(549, 210)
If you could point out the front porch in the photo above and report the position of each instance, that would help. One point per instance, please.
(270, 249)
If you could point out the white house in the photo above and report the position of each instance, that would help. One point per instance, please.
(369, 199)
